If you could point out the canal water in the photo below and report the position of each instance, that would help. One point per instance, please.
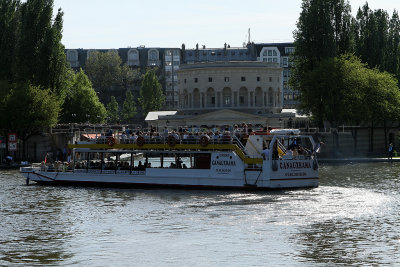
(352, 218)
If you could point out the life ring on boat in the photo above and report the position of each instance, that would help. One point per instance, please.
(171, 140)
(204, 140)
(110, 141)
(140, 141)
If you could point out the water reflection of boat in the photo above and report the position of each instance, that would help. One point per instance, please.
(202, 162)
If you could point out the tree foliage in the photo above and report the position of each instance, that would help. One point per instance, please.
(151, 95)
(351, 92)
(113, 110)
(334, 86)
(323, 31)
(378, 39)
(82, 104)
(40, 56)
(8, 37)
(33, 67)
(29, 109)
(108, 75)
(128, 108)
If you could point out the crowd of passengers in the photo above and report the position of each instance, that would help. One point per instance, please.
(183, 135)
(110, 165)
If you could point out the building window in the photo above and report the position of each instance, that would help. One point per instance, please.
(226, 79)
(258, 79)
(241, 99)
(285, 61)
(195, 80)
(232, 53)
(184, 81)
(243, 79)
(227, 100)
(289, 50)
(270, 79)
(213, 100)
(209, 79)
(153, 55)
(285, 73)
(270, 53)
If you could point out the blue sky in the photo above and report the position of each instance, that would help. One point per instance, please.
(122, 23)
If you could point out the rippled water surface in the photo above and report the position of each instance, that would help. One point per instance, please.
(353, 218)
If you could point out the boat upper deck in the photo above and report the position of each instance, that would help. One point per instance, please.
(226, 141)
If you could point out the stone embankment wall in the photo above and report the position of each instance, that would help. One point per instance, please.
(356, 143)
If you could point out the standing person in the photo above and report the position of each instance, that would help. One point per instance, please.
(265, 153)
(390, 151)
(64, 153)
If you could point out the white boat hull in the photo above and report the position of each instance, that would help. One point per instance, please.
(252, 179)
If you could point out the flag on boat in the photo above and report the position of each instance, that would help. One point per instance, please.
(281, 149)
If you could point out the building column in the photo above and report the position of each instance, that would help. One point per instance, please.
(248, 98)
(201, 100)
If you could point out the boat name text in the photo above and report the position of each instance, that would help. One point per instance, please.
(295, 165)
(224, 162)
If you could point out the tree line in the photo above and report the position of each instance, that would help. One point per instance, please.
(38, 88)
(346, 68)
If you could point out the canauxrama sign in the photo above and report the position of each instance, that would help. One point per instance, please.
(295, 165)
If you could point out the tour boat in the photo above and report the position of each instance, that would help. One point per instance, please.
(281, 159)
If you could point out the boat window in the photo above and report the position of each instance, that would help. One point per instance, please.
(202, 161)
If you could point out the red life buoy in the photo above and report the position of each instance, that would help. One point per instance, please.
(110, 141)
(140, 141)
(171, 140)
(204, 140)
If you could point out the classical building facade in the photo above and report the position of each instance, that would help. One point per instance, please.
(248, 86)
(171, 59)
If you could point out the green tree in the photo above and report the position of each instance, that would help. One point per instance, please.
(113, 111)
(8, 37)
(372, 35)
(393, 47)
(30, 109)
(151, 96)
(40, 56)
(82, 104)
(109, 76)
(323, 31)
(128, 108)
